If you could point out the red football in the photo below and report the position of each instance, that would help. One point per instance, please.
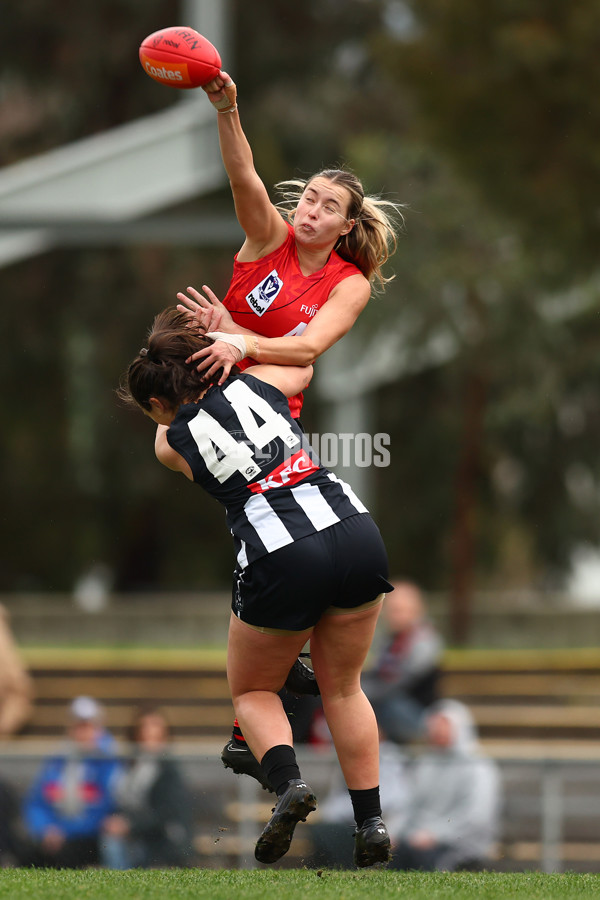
(179, 57)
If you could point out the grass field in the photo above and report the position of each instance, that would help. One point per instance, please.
(290, 884)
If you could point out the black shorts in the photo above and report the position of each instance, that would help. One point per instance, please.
(342, 567)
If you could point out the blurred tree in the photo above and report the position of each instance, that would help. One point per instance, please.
(78, 469)
(471, 333)
(503, 92)
(511, 91)
(72, 69)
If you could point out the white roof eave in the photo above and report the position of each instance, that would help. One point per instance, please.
(126, 172)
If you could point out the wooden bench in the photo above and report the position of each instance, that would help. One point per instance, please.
(547, 695)
(191, 688)
(515, 696)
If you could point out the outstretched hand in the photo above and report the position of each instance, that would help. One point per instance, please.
(207, 312)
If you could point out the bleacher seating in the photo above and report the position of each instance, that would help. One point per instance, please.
(195, 694)
(517, 697)
(544, 700)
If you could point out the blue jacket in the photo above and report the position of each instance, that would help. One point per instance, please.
(79, 812)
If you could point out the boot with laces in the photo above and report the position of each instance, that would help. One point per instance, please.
(292, 807)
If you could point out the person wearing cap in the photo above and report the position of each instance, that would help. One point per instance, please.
(86, 709)
(72, 794)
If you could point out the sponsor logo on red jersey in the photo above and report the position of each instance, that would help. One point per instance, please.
(260, 297)
(291, 471)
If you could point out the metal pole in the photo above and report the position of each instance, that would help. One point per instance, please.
(211, 20)
(552, 818)
(247, 826)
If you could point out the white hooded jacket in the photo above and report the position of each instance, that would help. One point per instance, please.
(455, 794)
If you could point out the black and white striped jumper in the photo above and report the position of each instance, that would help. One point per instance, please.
(247, 452)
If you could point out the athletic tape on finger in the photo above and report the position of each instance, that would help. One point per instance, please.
(229, 100)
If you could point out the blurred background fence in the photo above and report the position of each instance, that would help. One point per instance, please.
(550, 816)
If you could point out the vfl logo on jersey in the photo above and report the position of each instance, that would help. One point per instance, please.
(289, 472)
(260, 297)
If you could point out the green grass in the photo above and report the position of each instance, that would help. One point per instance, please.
(290, 884)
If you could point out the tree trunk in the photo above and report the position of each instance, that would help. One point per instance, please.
(464, 531)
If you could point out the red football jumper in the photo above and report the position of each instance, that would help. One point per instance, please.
(272, 297)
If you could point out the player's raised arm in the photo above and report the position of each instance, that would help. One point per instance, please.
(262, 224)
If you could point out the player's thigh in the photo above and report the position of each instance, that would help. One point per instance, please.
(259, 661)
(339, 647)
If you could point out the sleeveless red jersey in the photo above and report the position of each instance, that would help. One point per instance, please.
(272, 297)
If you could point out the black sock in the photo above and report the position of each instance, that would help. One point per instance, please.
(236, 735)
(366, 804)
(280, 766)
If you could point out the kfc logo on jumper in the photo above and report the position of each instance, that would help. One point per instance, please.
(291, 471)
(260, 297)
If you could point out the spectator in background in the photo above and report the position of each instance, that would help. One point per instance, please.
(451, 820)
(404, 680)
(153, 824)
(16, 690)
(87, 709)
(72, 794)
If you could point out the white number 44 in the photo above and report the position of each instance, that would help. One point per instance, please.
(236, 456)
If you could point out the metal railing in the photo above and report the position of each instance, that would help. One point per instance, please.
(550, 812)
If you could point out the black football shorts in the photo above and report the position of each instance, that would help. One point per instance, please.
(330, 572)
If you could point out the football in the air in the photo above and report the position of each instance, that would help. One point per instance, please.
(179, 57)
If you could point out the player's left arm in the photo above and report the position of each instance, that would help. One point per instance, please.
(169, 457)
(335, 319)
(290, 380)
